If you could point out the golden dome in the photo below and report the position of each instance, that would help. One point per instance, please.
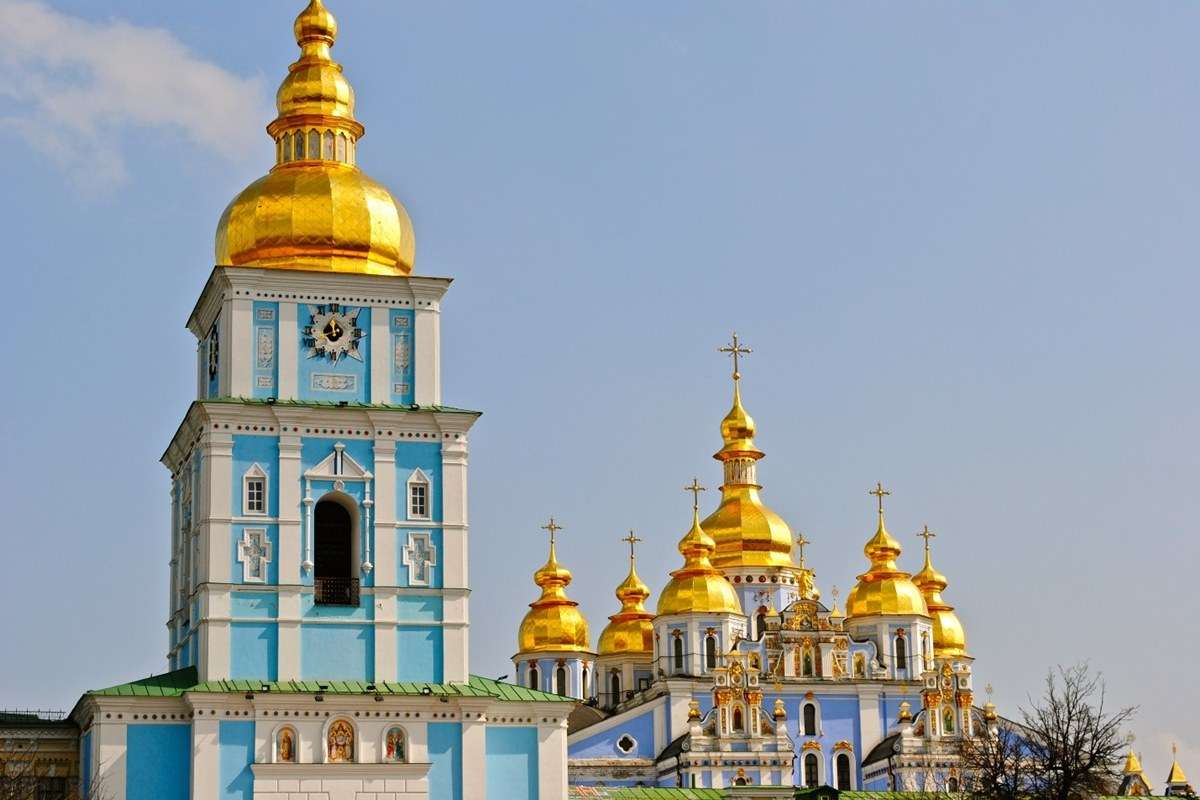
(884, 588)
(316, 210)
(949, 638)
(697, 586)
(747, 533)
(1133, 765)
(1176, 775)
(553, 623)
(630, 631)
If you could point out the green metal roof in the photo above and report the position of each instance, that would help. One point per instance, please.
(175, 684)
(642, 793)
(256, 401)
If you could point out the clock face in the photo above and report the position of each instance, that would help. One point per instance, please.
(332, 332)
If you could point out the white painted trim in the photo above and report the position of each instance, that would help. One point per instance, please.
(418, 478)
(255, 472)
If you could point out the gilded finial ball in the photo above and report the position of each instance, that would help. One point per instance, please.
(780, 711)
(906, 712)
(694, 710)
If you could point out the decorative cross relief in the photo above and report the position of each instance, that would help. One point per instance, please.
(254, 551)
(420, 556)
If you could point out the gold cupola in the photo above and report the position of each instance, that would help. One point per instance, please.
(949, 638)
(698, 586)
(747, 533)
(884, 588)
(1176, 778)
(630, 631)
(553, 623)
(316, 210)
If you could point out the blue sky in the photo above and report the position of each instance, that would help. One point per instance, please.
(960, 238)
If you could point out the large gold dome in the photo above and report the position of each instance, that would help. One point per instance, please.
(316, 210)
(884, 588)
(631, 630)
(949, 637)
(553, 623)
(697, 586)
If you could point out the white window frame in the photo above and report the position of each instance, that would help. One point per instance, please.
(255, 473)
(418, 478)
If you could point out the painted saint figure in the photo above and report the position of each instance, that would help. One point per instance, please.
(394, 746)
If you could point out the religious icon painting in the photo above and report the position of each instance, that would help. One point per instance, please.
(393, 746)
(340, 742)
(285, 747)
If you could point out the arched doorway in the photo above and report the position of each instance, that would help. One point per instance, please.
(333, 551)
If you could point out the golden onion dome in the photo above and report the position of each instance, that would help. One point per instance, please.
(316, 210)
(631, 630)
(553, 623)
(747, 533)
(697, 586)
(949, 637)
(884, 588)
(1176, 774)
(1133, 765)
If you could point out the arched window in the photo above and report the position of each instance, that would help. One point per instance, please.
(952, 784)
(327, 146)
(534, 678)
(677, 649)
(614, 687)
(341, 147)
(395, 749)
(339, 742)
(583, 680)
(314, 145)
(739, 720)
(760, 623)
(710, 651)
(334, 555)
(810, 770)
(901, 653)
(285, 746)
(810, 719)
(560, 680)
(843, 772)
(298, 146)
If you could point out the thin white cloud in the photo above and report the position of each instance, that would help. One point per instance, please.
(73, 89)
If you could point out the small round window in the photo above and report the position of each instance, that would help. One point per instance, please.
(626, 744)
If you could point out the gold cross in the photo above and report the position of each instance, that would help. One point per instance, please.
(880, 493)
(632, 541)
(554, 528)
(927, 535)
(735, 349)
(800, 543)
(695, 489)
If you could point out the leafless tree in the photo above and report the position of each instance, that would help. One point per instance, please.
(1067, 746)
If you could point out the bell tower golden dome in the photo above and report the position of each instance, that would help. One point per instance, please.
(884, 588)
(316, 210)
(949, 638)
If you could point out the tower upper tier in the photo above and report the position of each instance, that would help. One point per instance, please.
(316, 210)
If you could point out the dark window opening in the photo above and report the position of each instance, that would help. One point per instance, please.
(901, 653)
(615, 688)
(678, 650)
(533, 678)
(810, 720)
(560, 681)
(810, 771)
(333, 545)
(843, 772)
(710, 652)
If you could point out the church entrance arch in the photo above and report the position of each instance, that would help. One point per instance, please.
(334, 546)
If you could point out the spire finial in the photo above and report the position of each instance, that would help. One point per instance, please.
(695, 488)
(554, 528)
(736, 350)
(633, 540)
(927, 535)
(801, 541)
(879, 492)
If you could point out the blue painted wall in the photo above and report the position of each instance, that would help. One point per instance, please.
(213, 379)
(355, 371)
(403, 346)
(264, 350)
(445, 756)
(604, 745)
(419, 608)
(236, 740)
(86, 764)
(512, 763)
(419, 654)
(254, 650)
(158, 762)
(254, 605)
(337, 652)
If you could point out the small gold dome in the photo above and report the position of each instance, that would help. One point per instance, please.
(949, 637)
(316, 210)
(737, 428)
(631, 630)
(553, 623)
(698, 587)
(884, 588)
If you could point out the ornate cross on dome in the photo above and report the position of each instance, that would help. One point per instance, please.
(632, 541)
(880, 493)
(927, 535)
(554, 528)
(800, 543)
(735, 349)
(695, 489)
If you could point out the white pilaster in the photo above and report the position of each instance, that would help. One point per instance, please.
(385, 511)
(870, 728)
(109, 766)
(427, 357)
(206, 758)
(289, 634)
(288, 350)
(216, 506)
(474, 751)
(456, 655)
(291, 551)
(241, 348)
(552, 760)
(381, 349)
